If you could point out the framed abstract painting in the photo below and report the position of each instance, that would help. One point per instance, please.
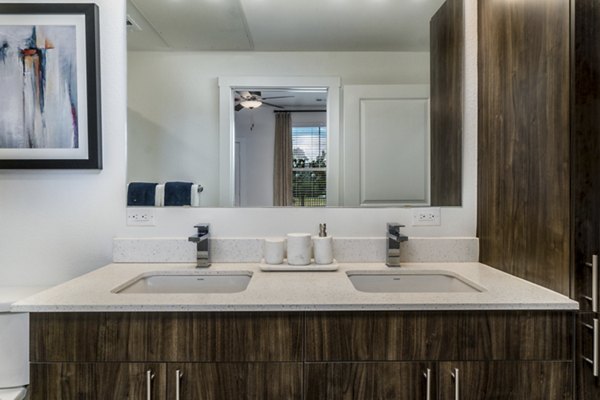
(50, 87)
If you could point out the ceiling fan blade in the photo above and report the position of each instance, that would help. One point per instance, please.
(278, 97)
(255, 94)
(238, 107)
(272, 105)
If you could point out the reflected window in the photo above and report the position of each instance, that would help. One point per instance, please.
(309, 165)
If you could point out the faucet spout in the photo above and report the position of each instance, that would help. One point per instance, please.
(393, 240)
(202, 245)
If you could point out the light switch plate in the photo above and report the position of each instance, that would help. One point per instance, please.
(426, 216)
(140, 216)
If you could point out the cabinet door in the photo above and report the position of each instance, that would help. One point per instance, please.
(511, 380)
(96, 381)
(588, 333)
(218, 381)
(369, 381)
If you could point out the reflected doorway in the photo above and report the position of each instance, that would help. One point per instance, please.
(281, 146)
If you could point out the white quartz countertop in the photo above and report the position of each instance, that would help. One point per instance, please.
(294, 291)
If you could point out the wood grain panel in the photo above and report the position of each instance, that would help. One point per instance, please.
(523, 142)
(85, 337)
(366, 381)
(585, 145)
(380, 336)
(447, 69)
(535, 335)
(260, 381)
(508, 380)
(236, 337)
(97, 381)
(383, 336)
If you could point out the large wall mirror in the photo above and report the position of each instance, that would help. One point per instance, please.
(262, 103)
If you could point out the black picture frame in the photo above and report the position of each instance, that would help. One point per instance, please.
(92, 80)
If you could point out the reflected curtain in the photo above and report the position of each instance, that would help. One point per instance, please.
(282, 168)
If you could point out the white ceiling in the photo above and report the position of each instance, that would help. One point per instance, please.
(281, 25)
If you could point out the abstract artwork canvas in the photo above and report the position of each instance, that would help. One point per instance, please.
(49, 86)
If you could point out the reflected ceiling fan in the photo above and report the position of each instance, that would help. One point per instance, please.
(252, 100)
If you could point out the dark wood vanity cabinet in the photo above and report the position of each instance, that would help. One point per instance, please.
(495, 355)
(313, 355)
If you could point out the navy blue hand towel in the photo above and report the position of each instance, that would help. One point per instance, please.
(141, 194)
(178, 194)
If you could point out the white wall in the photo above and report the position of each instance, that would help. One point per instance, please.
(56, 225)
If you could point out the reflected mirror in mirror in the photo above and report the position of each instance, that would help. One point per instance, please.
(399, 105)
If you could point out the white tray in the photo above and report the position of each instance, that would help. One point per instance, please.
(286, 267)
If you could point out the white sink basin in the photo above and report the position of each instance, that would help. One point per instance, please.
(187, 282)
(411, 281)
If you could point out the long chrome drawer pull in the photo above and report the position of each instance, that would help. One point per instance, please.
(178, 374)
(596, 356)
(427, 376)
(149, 378)
(456, 384)
(595, 283)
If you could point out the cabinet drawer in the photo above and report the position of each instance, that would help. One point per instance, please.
(150, 337)
(96, 381)
(219, 381)
(525, 380)
(368, 381)
(419, 336)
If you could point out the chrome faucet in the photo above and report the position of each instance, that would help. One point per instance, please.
(202, 245)
(393, 239)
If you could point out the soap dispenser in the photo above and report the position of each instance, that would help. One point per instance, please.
(323, 246)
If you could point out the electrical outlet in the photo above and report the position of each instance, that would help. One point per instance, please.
(139, 216)
(426, 217)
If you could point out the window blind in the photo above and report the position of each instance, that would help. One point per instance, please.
(309, 166)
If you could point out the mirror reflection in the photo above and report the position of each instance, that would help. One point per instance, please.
(281, 145)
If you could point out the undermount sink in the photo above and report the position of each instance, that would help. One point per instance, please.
(187, 282)
(411, 281)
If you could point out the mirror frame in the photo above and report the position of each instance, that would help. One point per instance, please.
(227, 85)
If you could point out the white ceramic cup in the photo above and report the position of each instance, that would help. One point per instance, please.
(299, 248)
(274, 250)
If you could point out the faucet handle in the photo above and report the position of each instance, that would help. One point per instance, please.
(394, 227)
(203, 228)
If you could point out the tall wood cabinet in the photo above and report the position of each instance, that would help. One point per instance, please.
(539, 153)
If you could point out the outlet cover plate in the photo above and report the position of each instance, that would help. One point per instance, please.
(140, 216)
(426, 216)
